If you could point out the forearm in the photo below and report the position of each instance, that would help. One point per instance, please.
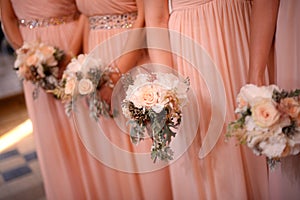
(77, 39)
(262, 30)
(135, 42)
(75, 46)
(158, 40)
(10, 25)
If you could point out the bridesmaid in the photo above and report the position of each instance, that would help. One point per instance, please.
(104, 179)
(212, 36)
(53, 132)
(285, 179)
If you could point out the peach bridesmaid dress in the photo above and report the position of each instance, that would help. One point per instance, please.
(53, 131)
(108, 174)
(213, 50)
(285, 180)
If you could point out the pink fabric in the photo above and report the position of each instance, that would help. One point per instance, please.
(101, 179)
(43, 9)
(53, 131)
(285, 180)
(229, 171)
(91, 8)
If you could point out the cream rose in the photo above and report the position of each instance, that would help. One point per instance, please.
(265, 114)
(76, 64)
(70, 86)
(73, 67)
(85, 86)
(145, 96)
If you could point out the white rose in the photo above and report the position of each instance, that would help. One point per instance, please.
(74, 66)
(85, 86)
(81, 58)
(252, 94)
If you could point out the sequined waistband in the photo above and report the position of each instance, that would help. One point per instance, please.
(35, 23)
(125, 20)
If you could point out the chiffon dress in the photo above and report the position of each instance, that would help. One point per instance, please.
(53, 131)
(285, 179)
(211, 41)
(109, 166)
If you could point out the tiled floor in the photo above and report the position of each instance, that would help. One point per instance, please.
(20, 176)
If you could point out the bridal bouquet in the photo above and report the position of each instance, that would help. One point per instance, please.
(38, 63)
(83, 77)
(153, 105)
(269, 121)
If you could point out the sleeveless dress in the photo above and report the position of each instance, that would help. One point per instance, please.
(213, 50)
(53, 132)
(106, 173)
(285, 179)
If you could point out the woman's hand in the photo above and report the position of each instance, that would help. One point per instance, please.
(106, 94)
(256, 79)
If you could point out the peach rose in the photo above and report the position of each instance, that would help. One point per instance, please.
(147, 95)
(265, 114)
(47, 51)
(85, 86)
(70, 86)
(32, 60)
(290, 106)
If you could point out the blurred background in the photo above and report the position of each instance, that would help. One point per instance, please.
(20, 176)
